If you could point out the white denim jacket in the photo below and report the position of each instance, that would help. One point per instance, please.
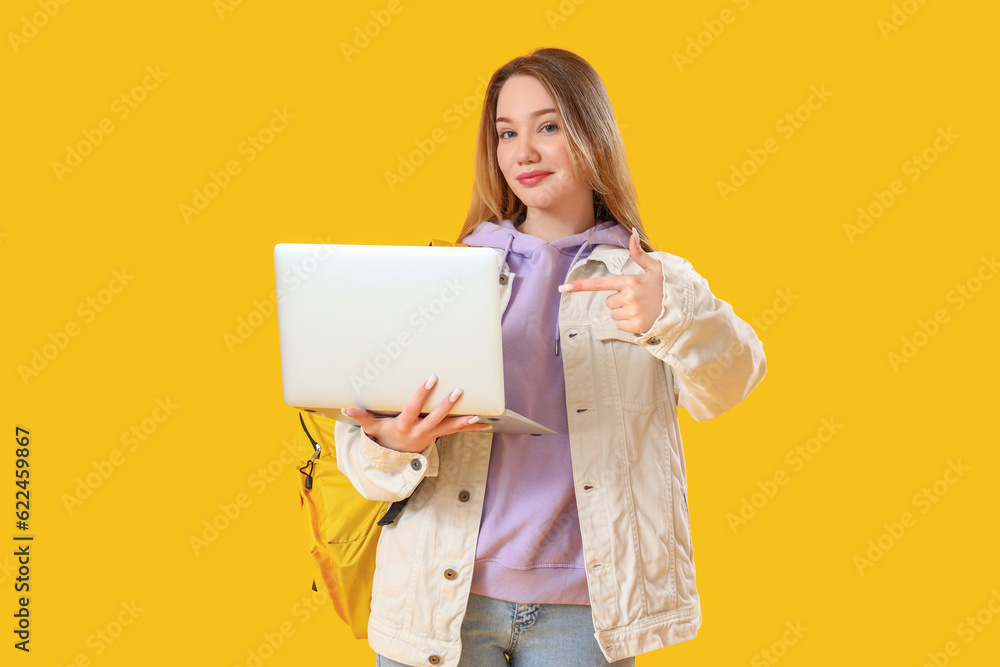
(622, 393)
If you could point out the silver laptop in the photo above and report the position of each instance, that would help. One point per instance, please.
(366, 325)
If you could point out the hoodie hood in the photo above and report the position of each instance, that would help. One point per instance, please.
(507, 237)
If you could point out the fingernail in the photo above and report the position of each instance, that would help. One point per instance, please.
(453, 396)
(430, 381)
(566, 288)
(348, 411)
(472, 420)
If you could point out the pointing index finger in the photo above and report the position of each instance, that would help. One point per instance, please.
(614, 283)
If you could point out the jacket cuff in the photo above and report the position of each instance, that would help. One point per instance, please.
(412, 465)
(675, 314)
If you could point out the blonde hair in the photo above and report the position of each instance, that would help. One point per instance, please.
(592, 136)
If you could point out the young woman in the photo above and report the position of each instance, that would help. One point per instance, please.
(574, 548)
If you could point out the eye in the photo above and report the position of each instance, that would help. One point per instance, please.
(500, 136)
(552, 125)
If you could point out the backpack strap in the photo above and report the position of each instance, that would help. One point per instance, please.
(393, 512)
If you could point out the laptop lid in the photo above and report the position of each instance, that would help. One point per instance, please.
(365, 325)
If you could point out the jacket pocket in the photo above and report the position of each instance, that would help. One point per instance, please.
(633, 375)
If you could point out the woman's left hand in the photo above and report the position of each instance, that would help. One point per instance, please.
(638, 299)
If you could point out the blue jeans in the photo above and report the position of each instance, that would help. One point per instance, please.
(533, 635)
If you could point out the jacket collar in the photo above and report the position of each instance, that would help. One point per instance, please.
(612, 256)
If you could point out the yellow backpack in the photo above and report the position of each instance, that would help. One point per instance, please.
(343, 526)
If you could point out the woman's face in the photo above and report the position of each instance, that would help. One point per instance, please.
(530, 138)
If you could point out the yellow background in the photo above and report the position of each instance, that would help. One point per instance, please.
(322, 178)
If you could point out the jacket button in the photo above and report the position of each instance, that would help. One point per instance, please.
(503, 279)
(463, 496)
(434, 660)
(450, 574)
(415, 464)
(653, 341)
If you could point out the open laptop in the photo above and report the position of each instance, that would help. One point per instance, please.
(366, 325)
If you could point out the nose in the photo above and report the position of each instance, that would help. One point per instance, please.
(526, 152)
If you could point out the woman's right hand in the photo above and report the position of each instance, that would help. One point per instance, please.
(407, 431)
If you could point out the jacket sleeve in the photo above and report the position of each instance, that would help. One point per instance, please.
(377, 472)
(716, 357)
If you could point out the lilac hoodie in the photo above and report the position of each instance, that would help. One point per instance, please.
(529, 548)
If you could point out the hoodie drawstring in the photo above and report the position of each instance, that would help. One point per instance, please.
(510, 240)
(583, 245)
(503, 259)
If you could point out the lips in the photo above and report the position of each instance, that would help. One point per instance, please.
(532, 177)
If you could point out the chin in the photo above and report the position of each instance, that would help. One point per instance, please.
(537, 202)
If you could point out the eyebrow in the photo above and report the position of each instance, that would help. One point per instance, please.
(532, 115)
